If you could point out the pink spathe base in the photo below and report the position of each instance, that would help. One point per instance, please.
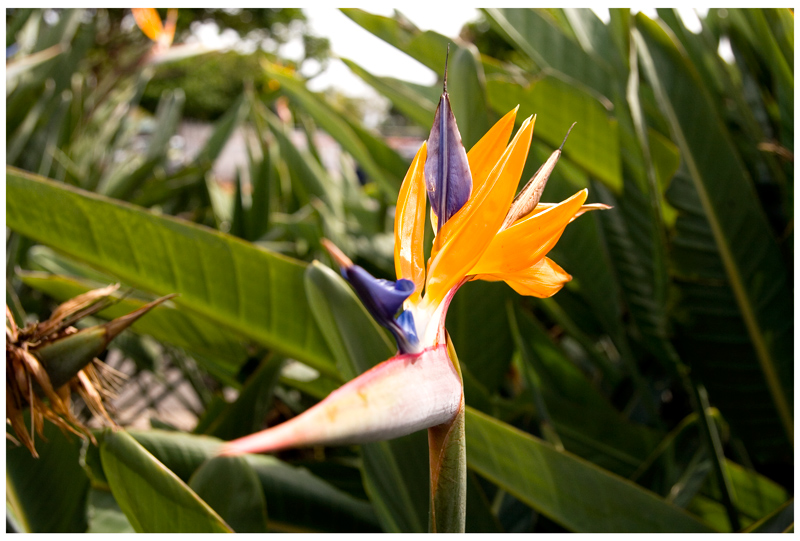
(395, 398)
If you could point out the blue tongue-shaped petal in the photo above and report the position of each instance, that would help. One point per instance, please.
(382, 298)
(447, 175)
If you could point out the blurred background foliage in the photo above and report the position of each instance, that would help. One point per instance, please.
(653, 393)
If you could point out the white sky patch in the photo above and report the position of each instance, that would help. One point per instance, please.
(209, 35)
(725, 50)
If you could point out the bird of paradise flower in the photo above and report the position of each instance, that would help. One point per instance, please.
(482, 232)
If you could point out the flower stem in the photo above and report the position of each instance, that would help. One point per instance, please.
(448, 463)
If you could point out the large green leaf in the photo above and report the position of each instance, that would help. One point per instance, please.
(153, 498)
(296, 499)
(593, 144)
(721, 200)
(230, 282)
(575, 493)
(48, 494)
(596, 39)
(232, 488)
(105, 516)
(586, 422)
(395, 472)
(530, 32)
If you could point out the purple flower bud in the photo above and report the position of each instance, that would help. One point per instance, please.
(447, 175)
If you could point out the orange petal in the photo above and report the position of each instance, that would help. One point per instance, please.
(409, 225)
(528, 240)
(542, 280)
(488, 150)
(465, 236)
(531, 238)
(169, 27)
(148, 20)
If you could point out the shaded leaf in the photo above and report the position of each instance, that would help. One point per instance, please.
(297, 500)
(565, 488)
(153, 498)
(724, 225)
(105, 516)
(48, 494)
(232, 488)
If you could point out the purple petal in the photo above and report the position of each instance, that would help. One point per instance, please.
(397, 397)
(383, 299)
(447, 175)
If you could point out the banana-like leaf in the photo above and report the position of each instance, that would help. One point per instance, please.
(736, 92)
(593, 144)
(754, 26)
(754, 495)
(530, 32)
(296, 499)
(105, 516)
(230, 282)
(723, 222)
(585, 421)
(574, 493)
(480, 517)
(48, 494)
(153, 498)
(596, 39)
(232, 488)
(222, 131)
(395, 471)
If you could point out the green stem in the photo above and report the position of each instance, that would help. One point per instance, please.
(448, 463)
